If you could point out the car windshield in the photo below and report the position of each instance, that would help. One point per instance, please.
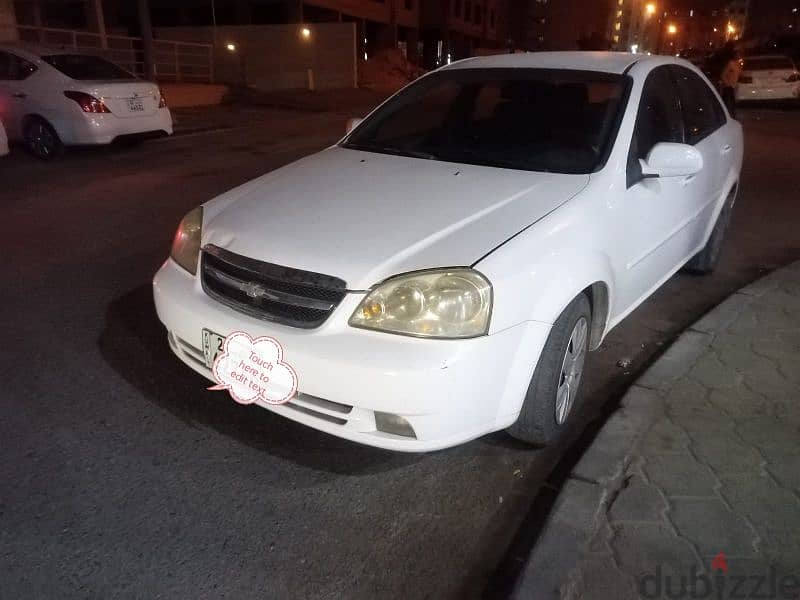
(561, 121)
(768, 63)
(85, 67)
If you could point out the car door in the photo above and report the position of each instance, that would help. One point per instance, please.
(14, 97)
(654, 226)
(705, 129)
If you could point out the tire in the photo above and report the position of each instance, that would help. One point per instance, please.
(41, 139)
(705, 261)
(545, 410)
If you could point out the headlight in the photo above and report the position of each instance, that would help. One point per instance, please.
(186, 245)
(445, 303)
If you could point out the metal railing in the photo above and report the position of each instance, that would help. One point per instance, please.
(174, 61)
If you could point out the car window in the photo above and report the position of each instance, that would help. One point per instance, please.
(14, 68)
(702, 112)
(658, 120)
(85, 67)
(768, 63)
(529, 119)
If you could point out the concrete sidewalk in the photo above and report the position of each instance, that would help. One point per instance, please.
(692, 488)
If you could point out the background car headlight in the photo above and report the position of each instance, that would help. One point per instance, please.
(445, 303)
(186, 245)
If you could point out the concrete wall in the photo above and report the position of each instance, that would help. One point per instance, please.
(276, 57)
(8, 22)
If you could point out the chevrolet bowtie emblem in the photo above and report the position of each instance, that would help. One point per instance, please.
(256, 290)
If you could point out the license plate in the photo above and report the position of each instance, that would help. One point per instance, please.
(135, 105)
(212, 346)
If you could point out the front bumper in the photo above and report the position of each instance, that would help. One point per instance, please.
(450, 391)
(104, 128)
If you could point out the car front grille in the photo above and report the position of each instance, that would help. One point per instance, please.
(270, 292)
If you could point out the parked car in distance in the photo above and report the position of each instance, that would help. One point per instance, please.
(3, 140)
(442, 271)
(55, 98)
(768, 77)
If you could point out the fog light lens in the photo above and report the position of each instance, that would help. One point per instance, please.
(395, 424)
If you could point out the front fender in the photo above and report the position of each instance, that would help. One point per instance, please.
(537, 274)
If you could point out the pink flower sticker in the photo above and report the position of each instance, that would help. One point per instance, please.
(252, 370)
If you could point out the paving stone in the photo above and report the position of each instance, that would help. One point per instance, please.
(742, 403)
(638, 501)
(720, 317)
(686, 393)
(676, 361)
(701, 419)
(726, 453)
(680, 475)
(611, 450)
(664, 438)
(710, 525)
(773, 436)
(712, 373)
(600, 579)
(786, 469)
(773, 510)
(642, 548)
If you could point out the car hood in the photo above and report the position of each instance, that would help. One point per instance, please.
(364, 216)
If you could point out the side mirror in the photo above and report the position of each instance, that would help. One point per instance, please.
(668, 159)
(352, 124)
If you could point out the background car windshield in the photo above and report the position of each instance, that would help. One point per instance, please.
(86, 67)
(531, 119)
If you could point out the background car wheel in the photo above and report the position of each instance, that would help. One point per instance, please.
(41, 139)
(553, 390)
(705, 261)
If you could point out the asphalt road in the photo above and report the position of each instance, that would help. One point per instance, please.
(122, 477)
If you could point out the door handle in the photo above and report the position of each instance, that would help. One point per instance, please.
(726, 148)
(687, 180)
(19, 95)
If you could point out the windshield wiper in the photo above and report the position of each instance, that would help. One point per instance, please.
(392, 150)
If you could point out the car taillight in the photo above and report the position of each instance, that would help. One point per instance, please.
(162, 103)
(794, 77)
(88, 103)
(745, 79)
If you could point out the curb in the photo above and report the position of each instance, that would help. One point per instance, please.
(580, 511)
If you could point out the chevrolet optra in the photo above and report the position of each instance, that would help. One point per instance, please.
(442, 271)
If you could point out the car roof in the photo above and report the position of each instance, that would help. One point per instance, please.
(602, 62)
(36, 51)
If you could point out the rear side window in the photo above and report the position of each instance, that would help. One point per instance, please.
(768, 63)
(658, 120)
(85, 67)
(14, 68)
(702, 112)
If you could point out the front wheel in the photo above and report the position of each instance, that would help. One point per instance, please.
(553, 390)
(41, 139)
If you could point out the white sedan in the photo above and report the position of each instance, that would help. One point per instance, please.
(768, 77)
(52, 98)
(442, 271)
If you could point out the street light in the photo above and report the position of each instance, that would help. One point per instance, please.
(230, 47)
(672, 29)
(305, 32)
(650, 9)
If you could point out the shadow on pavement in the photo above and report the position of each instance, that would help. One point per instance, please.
(134, 343)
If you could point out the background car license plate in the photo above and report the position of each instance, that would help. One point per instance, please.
(212, 346)
(135, 105)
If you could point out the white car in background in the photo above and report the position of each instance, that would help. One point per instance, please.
(3, 141)
(442, 271)
(52, 98)
(768, 77)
